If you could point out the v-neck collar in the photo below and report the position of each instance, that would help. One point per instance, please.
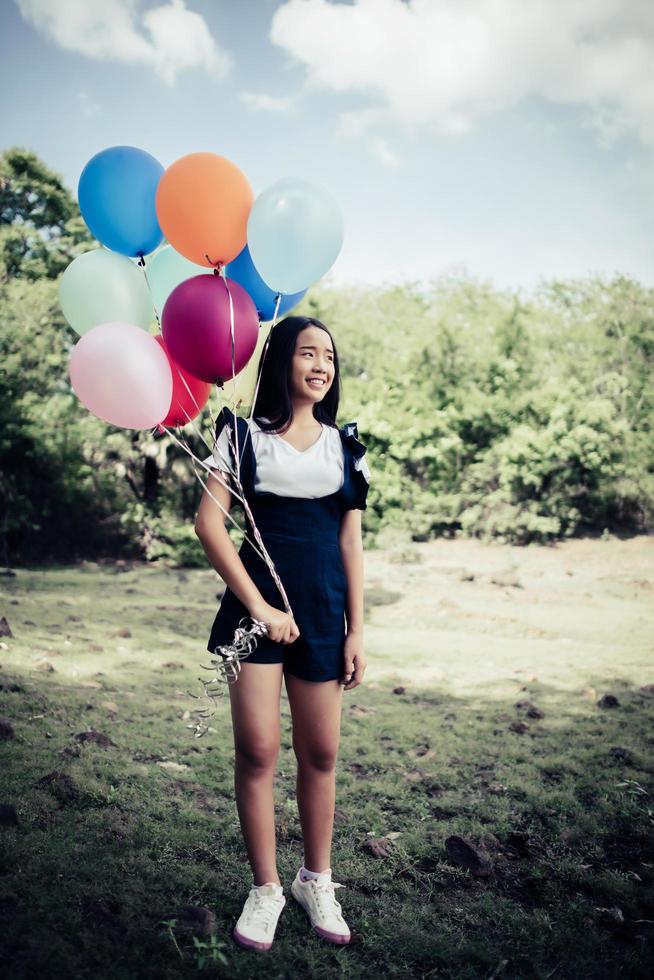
(301, 452)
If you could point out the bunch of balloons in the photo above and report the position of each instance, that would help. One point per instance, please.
(231, 262)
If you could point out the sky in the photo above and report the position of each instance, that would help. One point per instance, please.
(512, 140)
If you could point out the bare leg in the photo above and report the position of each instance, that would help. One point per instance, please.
(316, 711)
(256, 725)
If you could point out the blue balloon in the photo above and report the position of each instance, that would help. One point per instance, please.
(116, 193)
(242, 270)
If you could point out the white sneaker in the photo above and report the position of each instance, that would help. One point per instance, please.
(316, 896)
(257, 922)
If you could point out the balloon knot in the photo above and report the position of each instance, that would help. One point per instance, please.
(217, 266)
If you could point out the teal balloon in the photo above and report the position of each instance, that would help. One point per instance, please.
(295, 233)
(101, 286)
(166, 269)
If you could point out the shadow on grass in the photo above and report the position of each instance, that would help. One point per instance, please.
(476, 838)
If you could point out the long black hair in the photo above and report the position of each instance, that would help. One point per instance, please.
(273, 400)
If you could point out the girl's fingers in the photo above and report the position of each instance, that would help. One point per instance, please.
(353, 678)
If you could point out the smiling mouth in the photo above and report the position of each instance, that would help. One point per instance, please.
(317, 382)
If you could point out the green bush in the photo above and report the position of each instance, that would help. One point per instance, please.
(485, 413)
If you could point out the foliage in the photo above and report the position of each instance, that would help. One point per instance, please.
(485, 412)
(41, 229)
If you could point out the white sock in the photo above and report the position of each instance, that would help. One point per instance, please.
(305, 875)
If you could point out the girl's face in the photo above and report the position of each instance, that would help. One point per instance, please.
(313, 358)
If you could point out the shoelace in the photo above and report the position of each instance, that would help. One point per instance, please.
(325, 898)
(262, 909)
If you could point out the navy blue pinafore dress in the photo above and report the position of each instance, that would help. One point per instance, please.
(301, 537)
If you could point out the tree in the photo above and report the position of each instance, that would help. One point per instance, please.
(41, 228)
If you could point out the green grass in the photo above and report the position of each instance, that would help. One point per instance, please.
(109, 852)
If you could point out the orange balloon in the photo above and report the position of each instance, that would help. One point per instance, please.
(203, 203)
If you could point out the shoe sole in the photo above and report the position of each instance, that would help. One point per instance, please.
(250, 943)
(333, 937)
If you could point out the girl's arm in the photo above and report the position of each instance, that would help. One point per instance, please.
(351, 545)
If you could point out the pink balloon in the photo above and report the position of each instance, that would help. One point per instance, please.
(195, 324)
(122, 375)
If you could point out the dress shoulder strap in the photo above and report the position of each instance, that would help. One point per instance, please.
(246, 451)
(225, 415)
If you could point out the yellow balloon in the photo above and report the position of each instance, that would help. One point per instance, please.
(239, 391)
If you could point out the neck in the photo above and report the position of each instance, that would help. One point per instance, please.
(303, 413)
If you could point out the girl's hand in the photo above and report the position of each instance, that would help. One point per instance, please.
(354, 661)
(282, 628)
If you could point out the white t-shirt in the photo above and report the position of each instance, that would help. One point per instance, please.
(286, 471)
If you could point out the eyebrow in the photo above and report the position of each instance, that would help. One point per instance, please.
(313, 347)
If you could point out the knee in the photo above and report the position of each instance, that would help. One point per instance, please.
(320, 757)
(257, 754)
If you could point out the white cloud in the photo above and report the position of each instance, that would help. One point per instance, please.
(444, 63)
(88, 105)
(265, 102)
(385, 154)
(172, 38)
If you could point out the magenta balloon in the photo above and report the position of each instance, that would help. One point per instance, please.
(122, 375)
(195, 324)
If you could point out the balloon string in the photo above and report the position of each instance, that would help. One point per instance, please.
(196, 460)
(227, 668)
(179, 373)
(190, 419)
(266, 345)
(205, 466)
(208, 469)
(221, 272)
(263, 553)
(246, 506)
(161, 429)
(245, 638)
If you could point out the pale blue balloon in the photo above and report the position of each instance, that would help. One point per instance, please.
(165, 270)
(295, 233)
(242, 270)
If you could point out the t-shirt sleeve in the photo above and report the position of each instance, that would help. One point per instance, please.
(361, 464)
(362, 482)
(220, 457)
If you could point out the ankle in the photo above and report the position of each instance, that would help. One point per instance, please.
(307, 875)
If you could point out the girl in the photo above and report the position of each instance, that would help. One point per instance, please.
(306, 482)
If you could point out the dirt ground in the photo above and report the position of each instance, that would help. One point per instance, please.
(458, 616)
(466, 615)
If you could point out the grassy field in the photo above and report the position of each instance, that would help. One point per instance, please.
(494, 793)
